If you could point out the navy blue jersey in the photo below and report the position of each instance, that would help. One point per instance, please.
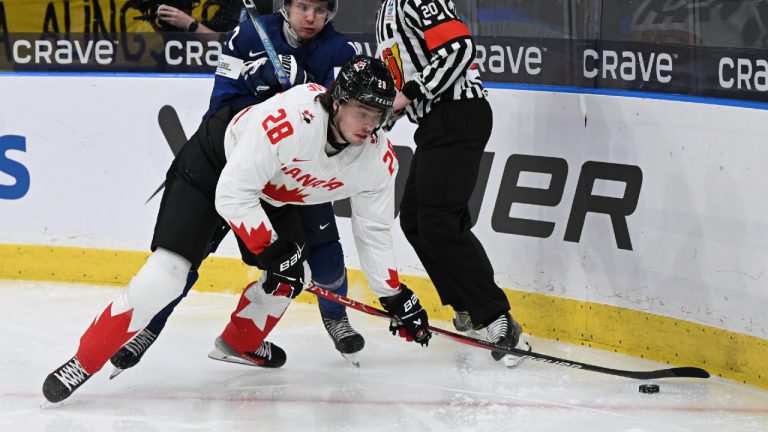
(318, 57)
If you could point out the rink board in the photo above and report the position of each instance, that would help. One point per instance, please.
(686, 253)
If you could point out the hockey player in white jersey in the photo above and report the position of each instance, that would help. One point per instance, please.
(274, 155)
(304, 146)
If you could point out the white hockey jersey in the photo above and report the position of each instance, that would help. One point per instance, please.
(276, 152)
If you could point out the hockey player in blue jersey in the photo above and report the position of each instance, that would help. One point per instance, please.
(310, 49)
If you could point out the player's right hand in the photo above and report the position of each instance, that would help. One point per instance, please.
(411, 320)
(284, 264)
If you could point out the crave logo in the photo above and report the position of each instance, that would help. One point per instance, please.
(516, 60)
(14, 176)
(743, 73)
(628, 65)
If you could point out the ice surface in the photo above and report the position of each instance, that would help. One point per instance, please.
(399, 386)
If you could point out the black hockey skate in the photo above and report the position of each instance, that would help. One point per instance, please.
(347, 341)
(505, 332)
(268, 355)
(62, 382)
(130, 354)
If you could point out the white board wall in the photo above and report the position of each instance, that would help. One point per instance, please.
(699, 233)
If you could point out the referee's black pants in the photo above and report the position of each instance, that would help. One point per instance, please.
(434, 212)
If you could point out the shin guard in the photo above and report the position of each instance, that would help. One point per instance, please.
(159, 281)
(256, 315)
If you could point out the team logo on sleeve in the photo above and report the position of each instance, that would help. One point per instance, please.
(307, 116)
(391, 57)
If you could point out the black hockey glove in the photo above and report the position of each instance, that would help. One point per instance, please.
(261, 78)
(410, 320)
(284, 264)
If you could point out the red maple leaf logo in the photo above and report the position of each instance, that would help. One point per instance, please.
(255, 239)
(284, 194)
(103, 338)
(394, 280)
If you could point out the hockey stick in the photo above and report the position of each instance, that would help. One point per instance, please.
(173, 132)
(253, 14)
(171, 127)
(679, 372)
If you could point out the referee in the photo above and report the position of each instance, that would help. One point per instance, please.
(430, 53)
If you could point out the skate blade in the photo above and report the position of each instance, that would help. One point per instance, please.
(352, 358)
(115, 372)
(220, 356)
(511, 361)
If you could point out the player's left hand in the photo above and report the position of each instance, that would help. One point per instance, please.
(261, 77)
(411, 320)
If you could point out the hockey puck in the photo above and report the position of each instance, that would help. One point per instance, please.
(649, 388)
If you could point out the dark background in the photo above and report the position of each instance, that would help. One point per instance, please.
(696, 34)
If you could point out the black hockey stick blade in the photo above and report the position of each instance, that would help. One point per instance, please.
(157, 191)
(174, 134)
(679, 372)
(171, 127)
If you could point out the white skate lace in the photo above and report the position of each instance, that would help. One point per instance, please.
(264, 351)
(71, 374)
(339, 329)
(498, 329)
(141, 342)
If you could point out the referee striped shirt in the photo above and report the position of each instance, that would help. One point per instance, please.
(429, 51)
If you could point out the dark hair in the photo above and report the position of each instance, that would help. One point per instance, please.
(326, 99)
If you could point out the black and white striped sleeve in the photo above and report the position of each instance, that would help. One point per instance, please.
(446, 46)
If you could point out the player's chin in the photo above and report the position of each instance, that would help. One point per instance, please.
(307, 33)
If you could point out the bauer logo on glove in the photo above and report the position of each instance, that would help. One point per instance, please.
(284, 263)
(411, 322)
(410, 303)
(293, 259)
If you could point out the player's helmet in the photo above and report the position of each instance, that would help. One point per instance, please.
(368, 81)
(333, 7)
